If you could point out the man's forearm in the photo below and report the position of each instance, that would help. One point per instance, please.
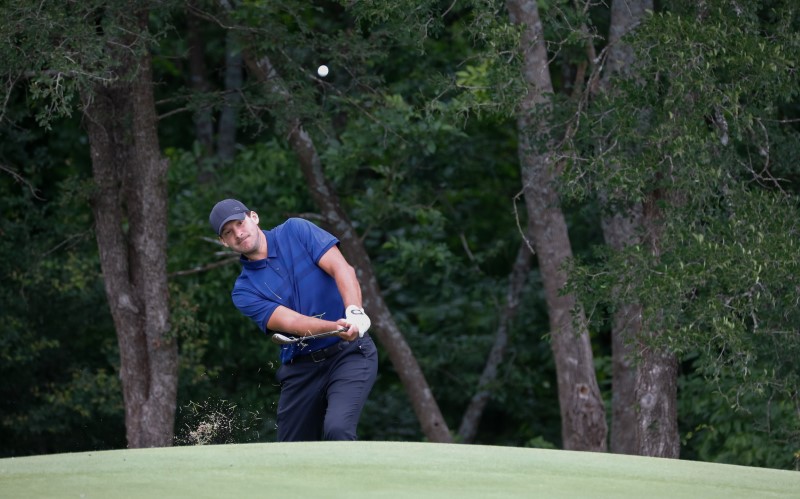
(288, 321)
(334, 264)
(349, 287)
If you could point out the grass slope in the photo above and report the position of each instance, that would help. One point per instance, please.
(378, 470)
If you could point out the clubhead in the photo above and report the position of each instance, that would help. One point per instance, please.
(280, 339)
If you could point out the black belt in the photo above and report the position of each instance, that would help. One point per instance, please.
(320, 355)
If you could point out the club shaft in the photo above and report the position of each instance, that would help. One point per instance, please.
(281, 339)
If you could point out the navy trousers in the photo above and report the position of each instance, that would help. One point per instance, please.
(323, 400)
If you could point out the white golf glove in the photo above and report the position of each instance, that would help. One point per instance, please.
(355, 315)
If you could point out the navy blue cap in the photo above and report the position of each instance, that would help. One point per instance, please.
(225, 211)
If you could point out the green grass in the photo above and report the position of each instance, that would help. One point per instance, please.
(378, 470)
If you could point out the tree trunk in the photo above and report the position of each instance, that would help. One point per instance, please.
(656, 368)
(583, 424)
(516, 282)
(644, 397)
(386, 330)
(229, 115)
(657, 395)
(621, 230)
(198, 82)
(229, 111)
(130, 176)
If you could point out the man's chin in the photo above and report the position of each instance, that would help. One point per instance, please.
(248, 252)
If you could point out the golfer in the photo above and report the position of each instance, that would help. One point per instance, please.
(295, 281)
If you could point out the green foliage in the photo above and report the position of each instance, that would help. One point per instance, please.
(725, 424)
(700, 83)
(689, 135)
(56, 338)
(415, 130)
(410, 22)
(191, 334)
(58, 49)
(486, 83)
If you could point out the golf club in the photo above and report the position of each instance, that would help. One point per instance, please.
(281, 339)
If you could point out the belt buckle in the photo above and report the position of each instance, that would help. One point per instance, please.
(319, 355)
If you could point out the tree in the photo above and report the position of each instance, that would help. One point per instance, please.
(633, 430)
(130, 209)
(199, 81)
(582, 412)
(621, 228)
(690, 160)
(106, 63)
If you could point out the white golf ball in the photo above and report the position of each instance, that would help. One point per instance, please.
(322, 70)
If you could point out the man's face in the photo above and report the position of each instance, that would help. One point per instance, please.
(242, 236)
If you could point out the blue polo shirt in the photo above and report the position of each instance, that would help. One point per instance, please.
(290, 276)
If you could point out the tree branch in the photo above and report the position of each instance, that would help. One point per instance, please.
(20, 179)
(204, 268)
(516, 283)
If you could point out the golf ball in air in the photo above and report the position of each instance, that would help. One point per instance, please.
(322, 70)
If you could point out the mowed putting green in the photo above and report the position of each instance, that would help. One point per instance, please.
(378, 469)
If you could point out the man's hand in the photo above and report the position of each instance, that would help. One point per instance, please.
(356, 316)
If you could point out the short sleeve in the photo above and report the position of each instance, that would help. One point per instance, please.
(254, 306)
(315, 240)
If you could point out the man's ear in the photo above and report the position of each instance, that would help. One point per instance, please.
(222, 241)
(254, 217)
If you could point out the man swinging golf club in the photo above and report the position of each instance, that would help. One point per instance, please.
(295, 281)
